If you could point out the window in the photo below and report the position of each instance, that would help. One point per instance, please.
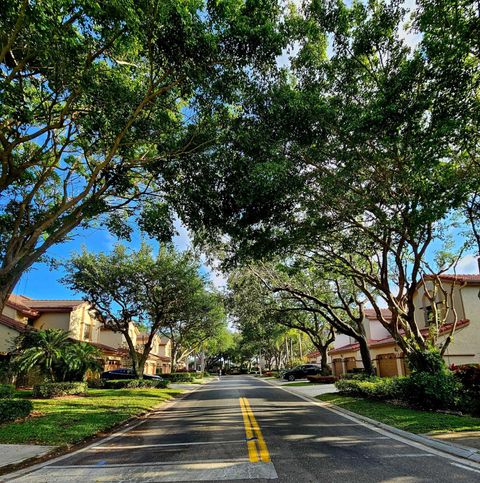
(87, 332)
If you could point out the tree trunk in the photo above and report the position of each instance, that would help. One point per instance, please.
(365, 354)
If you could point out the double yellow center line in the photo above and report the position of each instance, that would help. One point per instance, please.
(257, 449)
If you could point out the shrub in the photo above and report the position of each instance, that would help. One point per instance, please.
(7, 391)
(429, 361)
(182, 376)
(57, 389)
(11, 409)
(373, 388)
(96, 383)
(469, 377)
(318, 379)
(432, 391)
(134, 384)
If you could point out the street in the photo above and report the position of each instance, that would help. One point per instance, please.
(242, 428)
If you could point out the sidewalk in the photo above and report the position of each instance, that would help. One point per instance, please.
(11, 454)
(309, 390)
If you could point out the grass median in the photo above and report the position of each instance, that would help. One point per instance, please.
(68, 420)
(415, 421)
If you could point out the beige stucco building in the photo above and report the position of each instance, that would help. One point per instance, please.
(78, 319)
(458, 301)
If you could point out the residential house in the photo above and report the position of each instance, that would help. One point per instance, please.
(458, 302)
(77, 318)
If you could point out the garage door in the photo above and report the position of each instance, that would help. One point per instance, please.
(337, 367)
(350, 363)
(387, 365)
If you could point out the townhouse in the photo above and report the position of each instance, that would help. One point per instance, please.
(458, 302)
(78, 319)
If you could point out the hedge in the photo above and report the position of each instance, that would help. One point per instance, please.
(319, 379)
(11, 409)
(7, 391)
(183, 376)
(56, 389)
(425, 390)
(134, 383)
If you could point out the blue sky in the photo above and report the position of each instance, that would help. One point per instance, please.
(40, 282)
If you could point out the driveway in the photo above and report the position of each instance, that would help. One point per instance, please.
(242, 429)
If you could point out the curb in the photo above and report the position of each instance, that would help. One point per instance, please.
(464, 452)
(124, 427)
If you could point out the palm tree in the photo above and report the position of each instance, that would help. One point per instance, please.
(43, 349)
(79, 358)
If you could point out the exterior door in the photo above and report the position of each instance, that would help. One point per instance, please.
(350, 363)
(337, 367)
(387, 365)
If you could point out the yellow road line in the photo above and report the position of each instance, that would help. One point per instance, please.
(262, 447)
(252, 448)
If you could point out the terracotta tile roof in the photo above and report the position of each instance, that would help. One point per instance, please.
(460, 278)
(19, 302)
(371, 314)
(55, 305)
(119, 351)
(13, 324)
(313, 354)
(390, 340)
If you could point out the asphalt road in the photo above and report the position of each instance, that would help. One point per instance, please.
(243, 429)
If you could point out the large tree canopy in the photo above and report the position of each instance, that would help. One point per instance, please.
(96, 95)
(356, 157)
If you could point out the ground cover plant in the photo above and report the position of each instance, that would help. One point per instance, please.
(413, 420)
(69, 420)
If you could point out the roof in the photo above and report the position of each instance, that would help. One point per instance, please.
(461, 278)
(13, 324)
(372, 314)
(54, 305)
(120, 351)
(33, 308)
(313, 354)
(390, 340)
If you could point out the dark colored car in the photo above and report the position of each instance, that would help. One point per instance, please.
(301, 372)
(126, 374)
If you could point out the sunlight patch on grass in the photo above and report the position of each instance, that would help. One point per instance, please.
(415, 421)
(69, 420)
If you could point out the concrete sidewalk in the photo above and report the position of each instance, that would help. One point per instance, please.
(11, 454)
(310, 390)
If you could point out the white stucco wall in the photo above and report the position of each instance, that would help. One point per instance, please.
(7, 336)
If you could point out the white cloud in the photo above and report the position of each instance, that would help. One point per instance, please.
(467, 265)
(183, 240)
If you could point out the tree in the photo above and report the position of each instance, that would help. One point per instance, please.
(165, 293)
(299, 296)
(200, 317)
(57, 357)
(96, 95)
(351, 159)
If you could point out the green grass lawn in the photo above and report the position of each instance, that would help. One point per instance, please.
(412, 420)
(69, 420)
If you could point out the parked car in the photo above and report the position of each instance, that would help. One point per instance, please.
(301, 372)
(126, 374)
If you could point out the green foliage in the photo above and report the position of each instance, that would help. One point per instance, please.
(429, 360)
(58, 389)
(421, 389)
(7, 391)
(96, 95)
(432, 391)
(11, 409)
(373, 387)
(469, 377)
(182, 376)
(56, 356)
(134, 384)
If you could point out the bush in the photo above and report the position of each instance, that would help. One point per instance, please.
(429, 361)
(7, 391)
(134, 384)
(96, 383)
(373, 388)
(469, 377)
(11, 409)
(56, 389)
(319, 379)
(182, 376)
(432, 391)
